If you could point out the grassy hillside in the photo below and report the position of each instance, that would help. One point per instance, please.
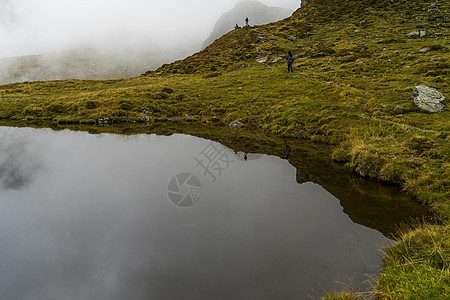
(352, 85)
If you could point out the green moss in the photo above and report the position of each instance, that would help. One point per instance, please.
(369, 164)
(341, 155)
(419, 143)
(126, 105)
(393, 172)
(33, 111)
(92, 104)
(161, 95)
(57, 108)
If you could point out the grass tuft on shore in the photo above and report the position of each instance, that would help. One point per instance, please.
(417, 266)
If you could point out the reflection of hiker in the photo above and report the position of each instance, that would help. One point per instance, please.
(246, 22)
(287, 151)
(290, 60)
(236, 26)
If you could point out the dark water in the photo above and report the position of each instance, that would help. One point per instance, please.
(106, 217)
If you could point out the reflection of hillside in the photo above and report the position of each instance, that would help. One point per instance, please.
(372, 204)
(368, 203)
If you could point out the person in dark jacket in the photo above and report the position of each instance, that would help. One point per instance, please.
(290, 61)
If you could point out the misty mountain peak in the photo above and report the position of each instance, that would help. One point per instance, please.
(257, 12)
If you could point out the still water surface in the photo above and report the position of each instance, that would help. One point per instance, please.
(90, 217)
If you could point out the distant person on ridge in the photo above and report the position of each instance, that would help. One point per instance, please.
(236, 26)
(246, 22)
(290, 61)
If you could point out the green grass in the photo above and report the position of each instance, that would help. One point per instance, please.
(341, 296)
(418, 266)
(357, 98)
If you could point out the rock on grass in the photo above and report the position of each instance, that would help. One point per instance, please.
(428, 99)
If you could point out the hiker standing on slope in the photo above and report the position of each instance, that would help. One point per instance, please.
(290, 61)
(246, 22)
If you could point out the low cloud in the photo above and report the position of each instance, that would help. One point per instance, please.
(30, 27)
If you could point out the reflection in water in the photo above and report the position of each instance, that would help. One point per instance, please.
(287, 151)
(302, 177)
(246, 156)
(95, 222)
(368, 203)
(19, 160)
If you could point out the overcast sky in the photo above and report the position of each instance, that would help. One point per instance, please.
(39, 26)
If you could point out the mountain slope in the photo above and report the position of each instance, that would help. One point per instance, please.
(257, 12)
(80, 64)
(357, 63)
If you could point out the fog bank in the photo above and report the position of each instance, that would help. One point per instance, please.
(29, 27)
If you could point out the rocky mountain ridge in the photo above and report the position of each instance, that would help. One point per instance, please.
(257, 12)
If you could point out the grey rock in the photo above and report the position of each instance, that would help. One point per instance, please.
(262, 59)
(104, 121)
(236, 124)
(424, 50)
(321, 54)
(304, 2)
(263, 38)
(417, 33)
(145, 119)
(428, 99)
(277, 59)
(292, 38)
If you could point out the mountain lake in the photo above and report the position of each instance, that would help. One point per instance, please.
(147, 216)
